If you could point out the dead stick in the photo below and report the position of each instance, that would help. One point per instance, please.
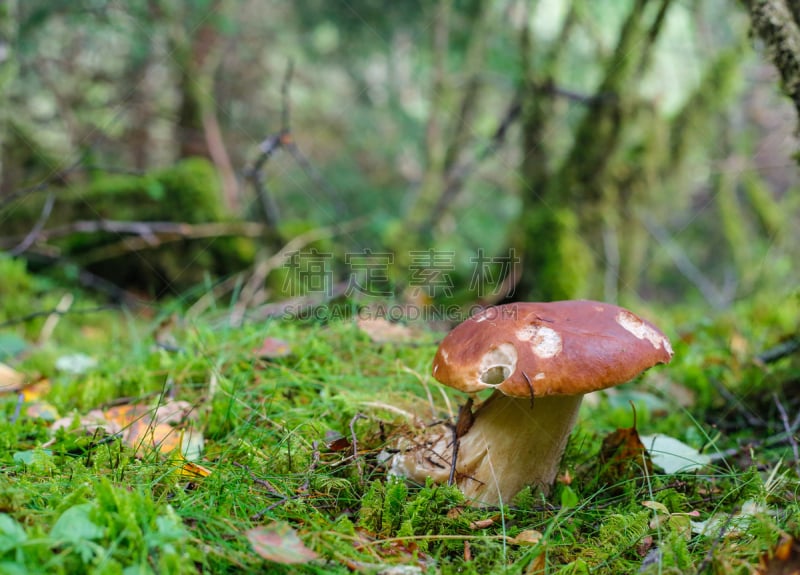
(790, 435)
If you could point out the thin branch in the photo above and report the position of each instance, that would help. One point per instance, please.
(787, 428)
(41, 186)
(265, 265)
(691, 272)
(151, 232)
(285, 100)
(54, 312)
(273, 143)
(153, 236)
(779, 351)
(33, 235)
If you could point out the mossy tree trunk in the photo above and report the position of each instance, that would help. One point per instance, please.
(8, 71)
(196, 52)
(777, 23)
(570, 209)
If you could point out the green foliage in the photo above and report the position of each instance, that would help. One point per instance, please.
(118, 530)
(15, 288)
(560, 259)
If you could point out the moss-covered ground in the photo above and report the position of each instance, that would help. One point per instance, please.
(301, 441)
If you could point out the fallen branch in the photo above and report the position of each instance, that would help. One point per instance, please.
(54, 312)
(149, 231)
(44, 185)
(32, 236)
(780, 351)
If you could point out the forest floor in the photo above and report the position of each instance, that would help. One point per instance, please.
(147, 442)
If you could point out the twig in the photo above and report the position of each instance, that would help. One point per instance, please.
(50, 312)
(709, 557)
(768, 442)
(17, 408)
(710, 292)
(52, 320)
(285, 101)
(266, 265)
(354, 441)
(273, 143)
(780, 351)
(33, 235)
(152, 230)
(41, 186)
(312, 467)
(789, 433)
(451, 479)
(258, 481)
(315, 176)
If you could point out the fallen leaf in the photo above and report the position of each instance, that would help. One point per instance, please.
(192, 444)
(538, 566)
(380, 330)
(672, 455)
(89, 423)
(273, 348)
(622, 456)
(482, 523)
(279, 543)
(784, 560)
(192, 471)
(41, 410)
(644, 546)
(527, 537)
(10, 378)
(335, 441)
(732, 525)
(656, 506)
(36, 390)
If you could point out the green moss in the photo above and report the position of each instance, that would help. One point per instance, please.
(557, 261)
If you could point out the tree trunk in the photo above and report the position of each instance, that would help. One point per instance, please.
(777, 23)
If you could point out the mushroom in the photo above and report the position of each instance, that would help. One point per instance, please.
(539, 358)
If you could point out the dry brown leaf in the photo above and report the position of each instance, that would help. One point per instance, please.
(10, 378)
(36, 390)
(41, 410)
(481, 523)
(538, 566)
(527, 537)
(380, 330)
(89, 423)
(785, 559)
(193, 471)
(279, 543)
(622, 455)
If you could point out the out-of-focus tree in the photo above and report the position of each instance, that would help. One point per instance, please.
(777, 24)
(8, 24)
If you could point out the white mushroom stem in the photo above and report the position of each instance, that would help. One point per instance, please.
(510, 445)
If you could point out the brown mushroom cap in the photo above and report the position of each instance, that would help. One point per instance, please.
(555, 348)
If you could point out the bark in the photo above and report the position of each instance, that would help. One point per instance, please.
(8, 71)
(777, 24)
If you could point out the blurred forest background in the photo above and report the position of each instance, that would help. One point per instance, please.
(636, 149)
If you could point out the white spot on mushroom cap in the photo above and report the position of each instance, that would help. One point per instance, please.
(641, 330)
(497, 365)
(539, 376)
(545, 342)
